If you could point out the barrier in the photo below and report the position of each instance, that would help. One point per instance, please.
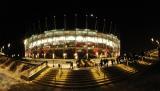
(33, 72)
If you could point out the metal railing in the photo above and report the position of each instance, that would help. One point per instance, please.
(34, 70)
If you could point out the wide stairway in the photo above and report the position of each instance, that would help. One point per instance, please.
(81, 78)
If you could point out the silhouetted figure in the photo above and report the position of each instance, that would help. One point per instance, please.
(107, 62)
(104, 61)
(118, 59)
(101, 63)
(59, 66)
(71, 65)
(112, 61)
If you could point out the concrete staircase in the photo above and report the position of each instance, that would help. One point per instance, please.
(80, 78)
(90, 77)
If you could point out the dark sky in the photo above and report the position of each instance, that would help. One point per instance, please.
(136, 24)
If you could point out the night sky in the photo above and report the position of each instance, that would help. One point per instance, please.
(134, 25)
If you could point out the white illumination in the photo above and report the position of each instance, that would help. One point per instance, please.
(79, 39)
(56, 40)
(59, 38)
(39, 42)
(9, 45)
(97, 54)
(157, 41)
(91, 15)
(152, 39)
(87, 55)
(25, 41)
(70, 38)
(44, 55)
(64, 55)
(2, 47)
(86, 29)
(75, 55)
(49, 40)
(53, 56)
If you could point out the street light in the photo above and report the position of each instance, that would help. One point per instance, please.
(53, 56)
(9, 45)
(152, 39)
(157, 45)
(155, 41)
(75, 55)
(92, 15)
(64, 55)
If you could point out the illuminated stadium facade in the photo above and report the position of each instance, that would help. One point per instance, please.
(72, 44)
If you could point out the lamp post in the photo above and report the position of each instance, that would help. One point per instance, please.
(53, 56)
(156, 42)
(9, 45)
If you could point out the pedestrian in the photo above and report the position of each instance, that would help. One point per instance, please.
(112, 61)
(107, 62)
(101, 63)
(59, 66)
(71, 65)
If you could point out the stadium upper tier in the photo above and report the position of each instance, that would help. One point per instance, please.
(59, 36)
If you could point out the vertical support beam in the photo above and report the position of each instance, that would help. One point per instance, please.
(64, 54)
(76, 54)
(87, 35)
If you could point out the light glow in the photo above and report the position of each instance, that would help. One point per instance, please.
(57, 40)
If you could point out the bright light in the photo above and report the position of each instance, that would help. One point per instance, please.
(152, 39)
(13, 55)
(76, 55)
(2, 47)
(126, 68)
(53, 56)
(87, 54)
(49, 39)
(70, 38)
(44, 55)
(92, 15)
(64, 55)
(25, 41)
(97, 54)
(56, 40)
(157, 41)
(9, 44)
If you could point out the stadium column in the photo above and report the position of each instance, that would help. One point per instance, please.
(96, 30)
(45, 55)
(64, 46)
(103, 46)
(54, 23)
(75, 55)
(87, 35)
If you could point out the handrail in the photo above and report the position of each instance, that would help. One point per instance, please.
(34, 70)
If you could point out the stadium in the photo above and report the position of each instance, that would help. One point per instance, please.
(72, 44)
